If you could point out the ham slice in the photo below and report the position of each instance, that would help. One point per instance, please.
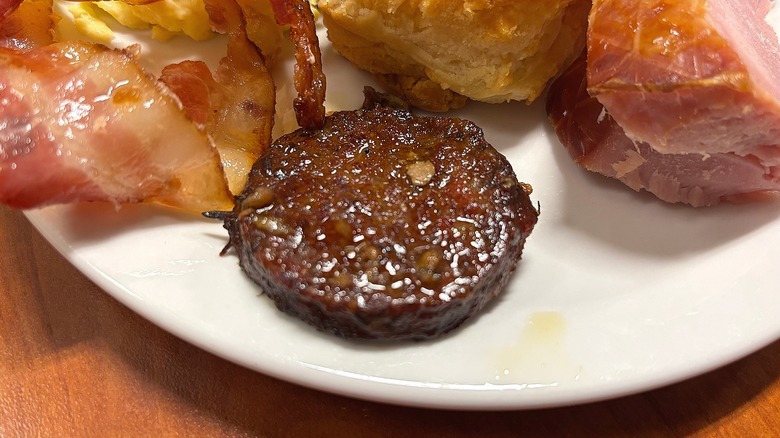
(598, 143)
(682, 99)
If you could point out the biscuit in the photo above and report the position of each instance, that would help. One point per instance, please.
(437, 53)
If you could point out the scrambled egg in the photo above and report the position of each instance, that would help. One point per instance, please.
(166, 18)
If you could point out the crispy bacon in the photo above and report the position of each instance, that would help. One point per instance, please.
(236, 105)
(82, 122)
(309, 78)
(236, 110)
(27, 26)
(66, 100)
(8, 6)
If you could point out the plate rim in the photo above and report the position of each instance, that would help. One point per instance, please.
(467, 397)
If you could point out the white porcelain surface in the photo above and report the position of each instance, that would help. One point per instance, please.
(616, 293)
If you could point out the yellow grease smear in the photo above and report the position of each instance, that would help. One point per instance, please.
(538, 357)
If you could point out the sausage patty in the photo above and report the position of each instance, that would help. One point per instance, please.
(382, 224)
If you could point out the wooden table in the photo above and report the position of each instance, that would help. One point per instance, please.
(74, 362)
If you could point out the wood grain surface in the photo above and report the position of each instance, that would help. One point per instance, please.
(74, 362)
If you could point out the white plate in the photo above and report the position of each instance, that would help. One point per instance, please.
(616, 293)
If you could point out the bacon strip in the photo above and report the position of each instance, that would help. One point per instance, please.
(8, 6)
(309, 78)
(27, 26)
(236, 105)
(76, 124)
(85, 123)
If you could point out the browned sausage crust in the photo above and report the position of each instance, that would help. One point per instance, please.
(382, 224)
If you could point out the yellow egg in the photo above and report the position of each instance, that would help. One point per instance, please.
(123, 13)
(187, 17)
(166, 18)
(86, 20)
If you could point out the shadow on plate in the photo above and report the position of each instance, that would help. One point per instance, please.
(98, 221)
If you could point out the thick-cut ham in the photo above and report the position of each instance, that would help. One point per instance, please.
(82, 122)
(682, 100)
(597, 143)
